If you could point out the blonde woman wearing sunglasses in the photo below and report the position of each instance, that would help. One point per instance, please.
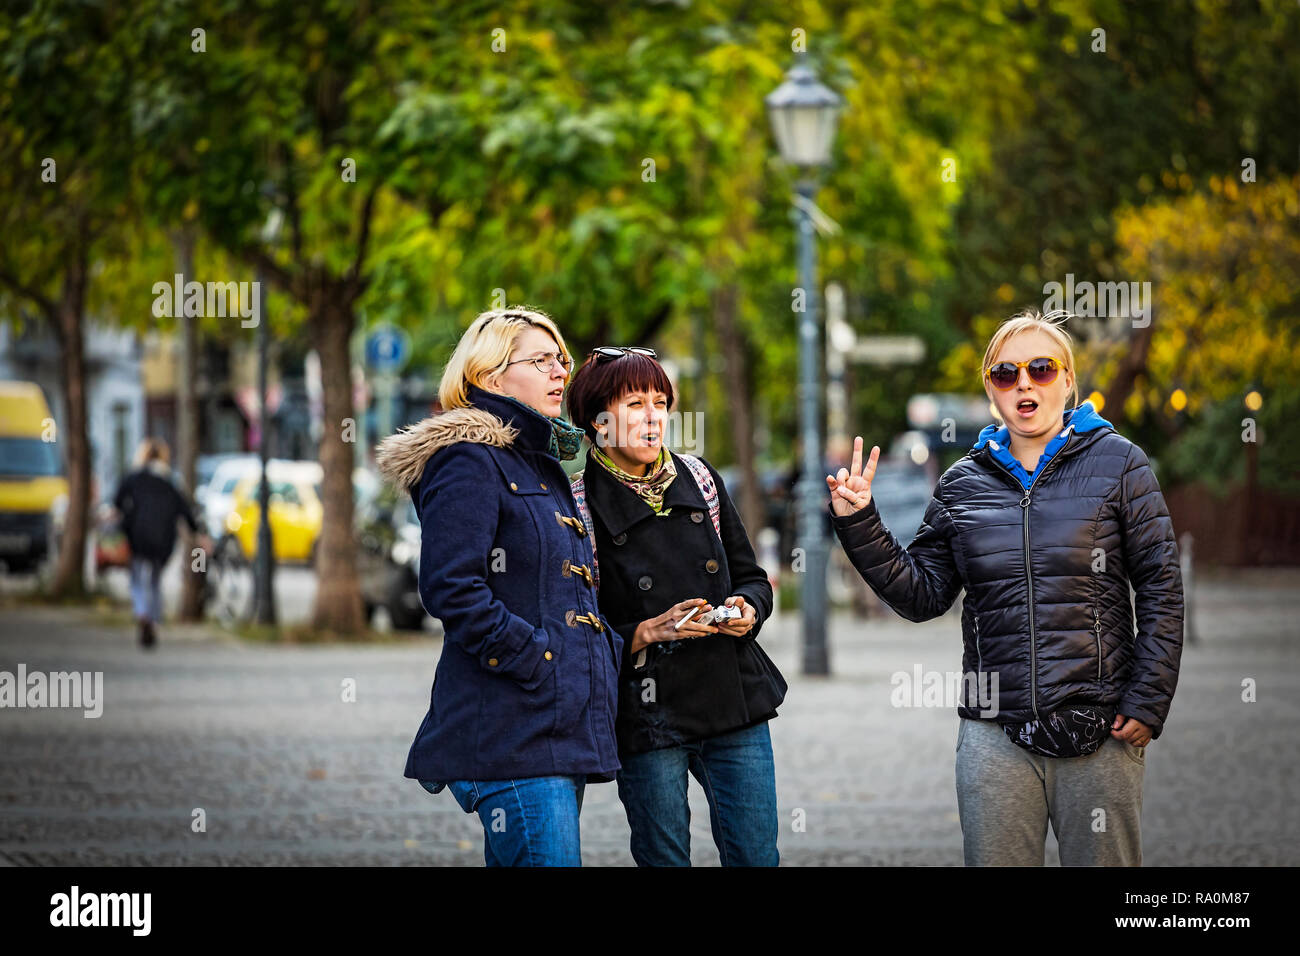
(1045, 523)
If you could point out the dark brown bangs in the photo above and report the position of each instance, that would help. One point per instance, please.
(597, 385)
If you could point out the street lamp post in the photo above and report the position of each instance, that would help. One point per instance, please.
(264, 583)
(803, 114)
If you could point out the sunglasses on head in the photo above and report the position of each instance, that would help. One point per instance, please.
(607, 353)
(1005, 375)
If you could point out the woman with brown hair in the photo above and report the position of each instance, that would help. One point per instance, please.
(695, 696)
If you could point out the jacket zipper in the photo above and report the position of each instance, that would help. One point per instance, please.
(1096, 616)
(979, 654)
(1029, 571)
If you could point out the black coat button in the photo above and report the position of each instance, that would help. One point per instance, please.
(645, 583)
(620, 538)
(711, 566)
(696, 517)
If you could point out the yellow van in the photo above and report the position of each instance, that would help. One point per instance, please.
(32, 483)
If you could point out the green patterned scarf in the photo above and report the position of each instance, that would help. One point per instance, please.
(649, 488)
(566, 438)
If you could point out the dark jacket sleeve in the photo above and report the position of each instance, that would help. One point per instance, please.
(626, 630)
(458, 526)
(748, 579)
(1151, 560)
(183, 509)
(122, 499)
(918, 582)
(124, 502)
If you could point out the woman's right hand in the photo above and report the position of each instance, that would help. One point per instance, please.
(851, 487)
(657, 629)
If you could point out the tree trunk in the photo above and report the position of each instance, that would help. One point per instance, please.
(69, 574)
(187, 433)
(338, 595)
(741, 402)
(1132, 365)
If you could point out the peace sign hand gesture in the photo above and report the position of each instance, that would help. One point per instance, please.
(851, 487)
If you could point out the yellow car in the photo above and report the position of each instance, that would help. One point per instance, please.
(33, 489)
(295, 509)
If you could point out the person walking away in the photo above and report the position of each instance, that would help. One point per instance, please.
(150, 505)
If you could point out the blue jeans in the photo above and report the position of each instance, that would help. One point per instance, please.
(146, 596)
(532, 821)
(739, 779)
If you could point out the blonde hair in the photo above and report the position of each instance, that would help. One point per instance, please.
(484, 350)
(1032, 321)
(152, 449)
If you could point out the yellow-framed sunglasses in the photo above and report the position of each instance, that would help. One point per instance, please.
(1042, 371)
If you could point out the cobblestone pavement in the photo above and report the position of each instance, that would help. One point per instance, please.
(287, 773)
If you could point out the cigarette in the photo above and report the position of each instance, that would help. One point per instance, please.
(689, 614)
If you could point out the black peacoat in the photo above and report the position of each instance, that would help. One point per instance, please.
(695, 688)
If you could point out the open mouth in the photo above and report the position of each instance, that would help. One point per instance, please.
(556, 393)
(651, 439)
(1026, 407)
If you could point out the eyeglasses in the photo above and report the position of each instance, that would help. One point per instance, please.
(607, 353)
(544, 363)
(1042, 371)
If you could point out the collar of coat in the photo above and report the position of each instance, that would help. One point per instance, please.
(994, 441)
(620, 507)
(488, 420)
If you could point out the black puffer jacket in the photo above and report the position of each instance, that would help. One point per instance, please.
(1046, 572)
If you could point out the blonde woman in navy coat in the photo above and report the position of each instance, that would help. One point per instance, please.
(521, 714)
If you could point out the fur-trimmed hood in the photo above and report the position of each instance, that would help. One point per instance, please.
(401, 457)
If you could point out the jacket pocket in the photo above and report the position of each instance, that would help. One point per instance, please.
(1137, 754)
(511, 715)
(576, 674)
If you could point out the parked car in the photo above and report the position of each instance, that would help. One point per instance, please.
(216, 495)
(295, 511)
(388, 558)
(33, 489)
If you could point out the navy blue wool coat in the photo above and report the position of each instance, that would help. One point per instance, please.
(527, 684)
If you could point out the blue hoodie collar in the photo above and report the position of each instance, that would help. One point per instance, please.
(1083, 418)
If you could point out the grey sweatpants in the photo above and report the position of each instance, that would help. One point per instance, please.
(1006, 796)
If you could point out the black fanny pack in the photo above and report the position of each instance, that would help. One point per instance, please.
(1067, 732)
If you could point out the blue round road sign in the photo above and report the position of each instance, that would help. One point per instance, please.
(387, 349)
